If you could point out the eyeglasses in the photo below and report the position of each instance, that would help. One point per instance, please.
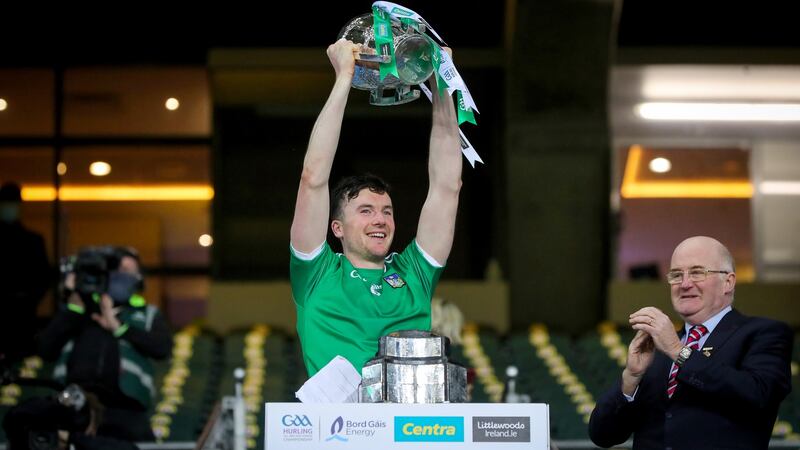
(695, 274)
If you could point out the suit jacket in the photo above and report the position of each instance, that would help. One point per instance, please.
(728, 399)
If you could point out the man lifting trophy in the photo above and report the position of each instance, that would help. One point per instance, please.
(346, 302)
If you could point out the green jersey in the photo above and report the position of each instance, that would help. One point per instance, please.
(343, 310)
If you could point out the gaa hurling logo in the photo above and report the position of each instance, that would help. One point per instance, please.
(297, 428)
(296, 421)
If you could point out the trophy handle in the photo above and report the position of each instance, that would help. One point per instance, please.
(368, 57)
(371, 61)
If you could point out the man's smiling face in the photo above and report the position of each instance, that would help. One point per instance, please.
(697, 301)
(366, 228)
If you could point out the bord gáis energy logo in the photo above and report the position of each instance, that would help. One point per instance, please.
(336, 428)
(429, 429)
(354, 428)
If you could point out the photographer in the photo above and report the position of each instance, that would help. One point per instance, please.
(103, 338)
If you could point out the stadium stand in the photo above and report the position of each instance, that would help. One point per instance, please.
(566, 372)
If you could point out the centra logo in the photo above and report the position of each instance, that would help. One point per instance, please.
(429, 429)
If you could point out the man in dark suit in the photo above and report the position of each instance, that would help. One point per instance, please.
(716, 385)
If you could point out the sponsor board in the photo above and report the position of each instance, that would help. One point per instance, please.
(469, 426)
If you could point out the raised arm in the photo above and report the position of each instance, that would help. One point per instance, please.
(437, 221)
(310, 223)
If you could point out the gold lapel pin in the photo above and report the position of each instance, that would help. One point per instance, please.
(707, 351)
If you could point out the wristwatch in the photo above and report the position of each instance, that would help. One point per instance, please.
(684, 354)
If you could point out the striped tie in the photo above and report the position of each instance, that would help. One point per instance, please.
(693, 341)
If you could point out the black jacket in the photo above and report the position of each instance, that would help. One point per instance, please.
(728, 399)
(94, 362)
(25, 275)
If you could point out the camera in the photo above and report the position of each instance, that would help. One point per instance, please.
(94, 271)
(69, 410)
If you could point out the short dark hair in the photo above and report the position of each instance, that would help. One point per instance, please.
(348, 188)
(123, 251)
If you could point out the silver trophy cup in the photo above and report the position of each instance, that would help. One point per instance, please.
(413, 58)
(412, 367)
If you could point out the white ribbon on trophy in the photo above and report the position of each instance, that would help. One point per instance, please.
(447, 71)
(466, 147)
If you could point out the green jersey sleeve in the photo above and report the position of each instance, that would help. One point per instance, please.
(305, 274)
(414, 260)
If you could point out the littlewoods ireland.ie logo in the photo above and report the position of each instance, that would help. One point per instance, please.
(429, 429)
(501, 429)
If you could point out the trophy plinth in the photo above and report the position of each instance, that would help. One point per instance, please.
(412, 367)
